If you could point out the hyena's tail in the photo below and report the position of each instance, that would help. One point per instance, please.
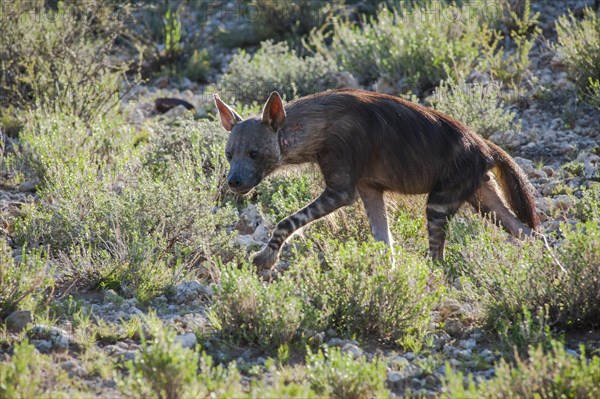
(515, 187)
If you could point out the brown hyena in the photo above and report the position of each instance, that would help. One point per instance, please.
(369, 143)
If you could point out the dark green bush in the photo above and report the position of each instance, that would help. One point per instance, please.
(415, 45)
(579, 46)
(555, 374)
(274, 67)
(62, 59)
(358, 291)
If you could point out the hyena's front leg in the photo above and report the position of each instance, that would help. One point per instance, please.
(327, 202)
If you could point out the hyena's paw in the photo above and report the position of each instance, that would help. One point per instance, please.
(265, 259)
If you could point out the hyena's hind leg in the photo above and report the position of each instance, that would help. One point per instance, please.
(330, 200)
(489, 201)
(440, 209)
(376, 212)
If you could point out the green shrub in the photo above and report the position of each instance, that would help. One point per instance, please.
(197, 66)
(336, 374)
(556, 374)
(22, 285)
(274, 67)
(249, 311)
(283, 195)
(21, 377)
(61, 59)
(477, 105)
(277, 20)
(419, 45)
(357, 290)
(122, 215)
(289, 20)
(579, 46)
(588, 207)
(164, 369)
(507, 281)
(506, 64)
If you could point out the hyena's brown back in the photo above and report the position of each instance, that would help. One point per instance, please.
(389, 143)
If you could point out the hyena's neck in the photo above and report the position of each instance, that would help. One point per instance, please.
(297, 142)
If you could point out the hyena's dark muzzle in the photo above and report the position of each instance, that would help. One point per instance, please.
(242, 178)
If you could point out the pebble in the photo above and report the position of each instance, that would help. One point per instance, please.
(468, 344)
(43, 335)
(189, 291)
(340, 342)
(188, 340)
(18, 320)
(394, 377)
(352, 349)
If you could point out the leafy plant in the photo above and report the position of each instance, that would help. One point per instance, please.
(22, 285)
(479, 106)
(60, 59)
(252, 312)
(579, 47)
(336, 374)
(552, 374)
(274, 67)
(416, 44)
(359, 291)
(22, 376)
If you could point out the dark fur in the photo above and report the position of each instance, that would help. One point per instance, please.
(369, 143)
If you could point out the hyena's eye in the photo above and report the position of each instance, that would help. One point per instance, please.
(253, 154)
(228, 155)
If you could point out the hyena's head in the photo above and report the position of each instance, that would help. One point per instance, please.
(252, 148)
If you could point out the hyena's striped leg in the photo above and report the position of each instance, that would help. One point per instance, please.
(439, 210)
(375, 208)
(327, 202)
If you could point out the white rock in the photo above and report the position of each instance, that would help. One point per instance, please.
(188, 340)
(250, 219)
(18, 320)
(394, 377)
(352, 349)
(189, 291)
(59, 339)
(175, 112)
(468, 344)
(262, 233)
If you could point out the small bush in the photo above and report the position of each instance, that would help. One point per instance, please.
(479, 106)
(288, 20)
(250, 311)
(556, 374)
(22, 376)
(22, 285)
(579, 46)
(126, 216)
(507, 281)
(335, 374)
(61, 59)
(419, 45)
(506, 64)
(197, 66)
(165, 369)
(588, 207)
(357, 290)
(275, 67)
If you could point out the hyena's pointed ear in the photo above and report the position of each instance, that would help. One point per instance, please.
(273, 113)
(228, 116)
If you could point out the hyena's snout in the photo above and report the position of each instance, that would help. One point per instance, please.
(234, 182)
(241, 181)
